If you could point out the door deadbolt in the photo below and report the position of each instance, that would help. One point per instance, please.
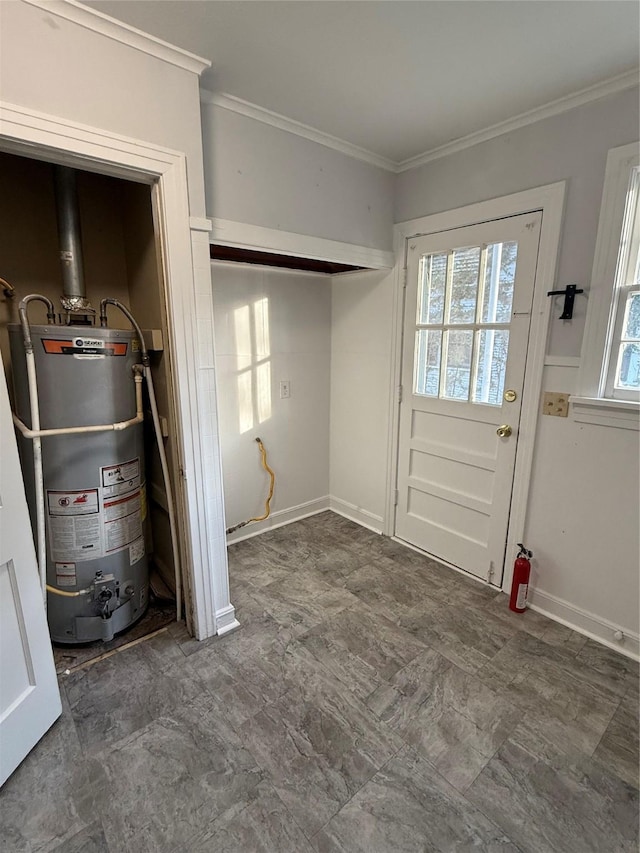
(510, 396)
(504, 431)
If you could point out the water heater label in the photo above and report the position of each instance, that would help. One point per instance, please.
(136, 551)
(75, 533)
(122, 522)
(83, 346)
(66, 574)
(120, 479)
(72, 503)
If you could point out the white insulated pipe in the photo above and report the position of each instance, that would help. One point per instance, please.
(168, 490)
(38, 475)
(159, 442)
(34, 405)
(119, 425)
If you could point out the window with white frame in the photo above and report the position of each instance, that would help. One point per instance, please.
(610, 373)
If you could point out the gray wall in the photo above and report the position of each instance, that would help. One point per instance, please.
(260, 175)
(573, 147)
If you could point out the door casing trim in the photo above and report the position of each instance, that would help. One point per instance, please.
(550, 200)
(59, 140)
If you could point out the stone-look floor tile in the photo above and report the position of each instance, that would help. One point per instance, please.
(375, 640)
(90, 840)
(319, 745)
(408, 807)
(608, 668)
(570, 805)
(242, 684)
(107, 705)
(458, 633)
(559, 635)
(460, 725)
(533, 623)
(398, 701)
(619, 749)
(303, 600)
(45, 802)
(262, 824)
(386, 588)
(350, 670)
(560, 714)
(168, 781)
(258, 564)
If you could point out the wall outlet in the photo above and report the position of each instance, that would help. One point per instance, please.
(285, 389)
(555, 403)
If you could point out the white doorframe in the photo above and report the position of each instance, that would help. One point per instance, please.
(30, 133)
(550, 200)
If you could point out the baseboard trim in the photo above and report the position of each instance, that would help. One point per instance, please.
(585, 623)
(280, 518)
(355, 513)
(226, 620)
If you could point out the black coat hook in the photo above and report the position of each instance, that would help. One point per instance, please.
(569, 298)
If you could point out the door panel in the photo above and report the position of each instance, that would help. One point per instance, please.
(467, 314)
(29, 695)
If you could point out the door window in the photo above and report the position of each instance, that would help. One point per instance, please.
(463, 313)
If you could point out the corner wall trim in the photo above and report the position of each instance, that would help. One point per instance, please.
(354, 513)
(585, 623)
(612, 86)
(110, 27)
(226, 232)
(253, 111)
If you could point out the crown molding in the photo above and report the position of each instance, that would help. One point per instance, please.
(98, 22)
(561, 105)
(584, 96)
(237, 105)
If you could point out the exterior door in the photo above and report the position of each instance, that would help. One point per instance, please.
(29, 695)
(467, 315)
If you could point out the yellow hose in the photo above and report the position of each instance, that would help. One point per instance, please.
(65, 593)
(267, 505)
(265, 465)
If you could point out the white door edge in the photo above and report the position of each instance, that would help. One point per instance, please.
(30, 133)
(550, 200)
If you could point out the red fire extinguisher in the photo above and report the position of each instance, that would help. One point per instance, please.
(520, 584)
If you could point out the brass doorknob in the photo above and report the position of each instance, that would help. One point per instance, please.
(504, 431)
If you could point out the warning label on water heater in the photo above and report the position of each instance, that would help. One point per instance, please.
(121, 505)
(74, 525)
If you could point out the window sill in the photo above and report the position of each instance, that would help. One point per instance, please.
(624, 414)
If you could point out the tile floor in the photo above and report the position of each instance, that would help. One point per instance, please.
(372, 701)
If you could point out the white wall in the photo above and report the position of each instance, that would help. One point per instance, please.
(63, 69)
(362, 305)
(260, 175)
(573, 147)
(73, 73)
(272, 325)
(583, 520)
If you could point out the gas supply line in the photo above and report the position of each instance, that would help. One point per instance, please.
(267, 505)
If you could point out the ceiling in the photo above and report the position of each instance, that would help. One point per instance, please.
(396, 78)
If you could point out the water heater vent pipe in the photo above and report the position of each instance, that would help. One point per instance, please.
(69, 236)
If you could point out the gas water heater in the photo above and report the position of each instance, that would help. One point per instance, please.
(78, 392)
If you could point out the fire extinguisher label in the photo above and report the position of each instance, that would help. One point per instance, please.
(521, 599)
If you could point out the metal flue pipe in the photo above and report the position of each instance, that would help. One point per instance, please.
(69, 235)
